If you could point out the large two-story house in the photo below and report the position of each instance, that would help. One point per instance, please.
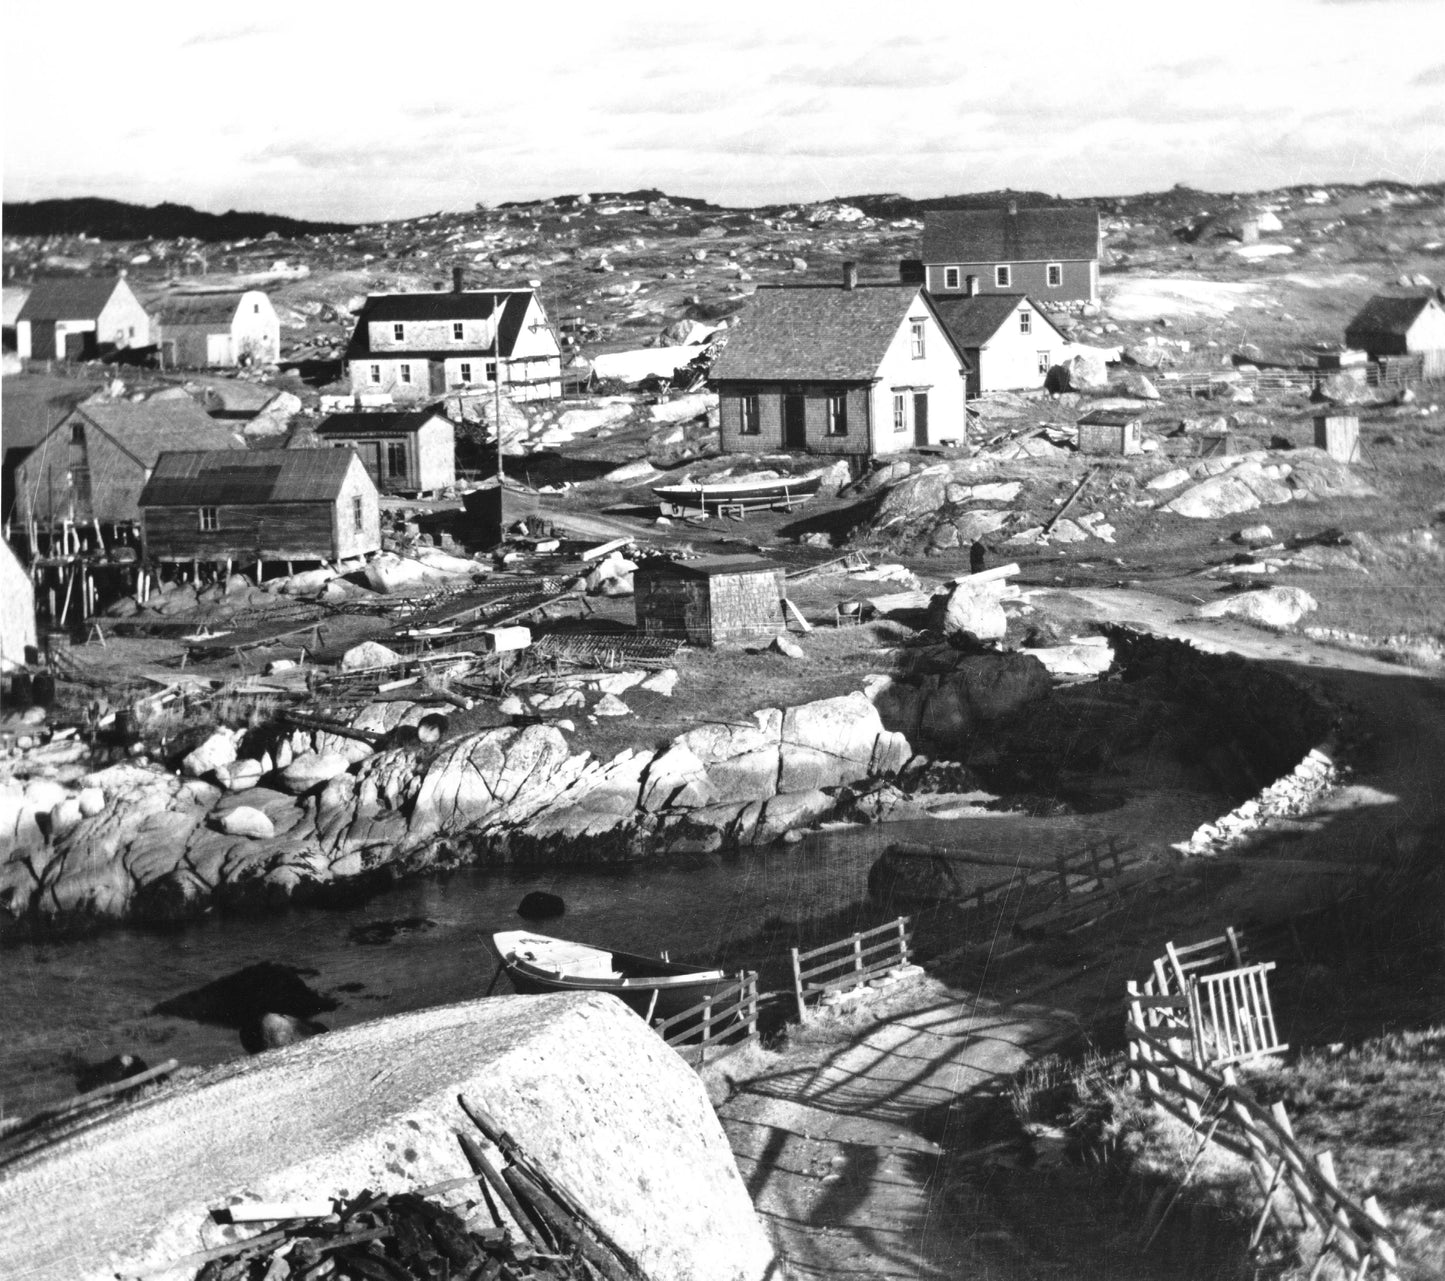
(422, 345)
(856, 371)
(1050, 254)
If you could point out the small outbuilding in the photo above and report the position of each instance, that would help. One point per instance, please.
(216, 330)
(267, 505)
(1110, 431)
(403, 452)
(80, 318)
(715, 600)
(1402, 325)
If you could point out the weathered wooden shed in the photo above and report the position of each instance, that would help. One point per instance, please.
(197, 330)
(404, 452)
(1339, 436)
(267, 505)
(715, 600)
(1110, 431)
(1402, 325)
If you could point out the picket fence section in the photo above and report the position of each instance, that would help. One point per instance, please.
(851, 962)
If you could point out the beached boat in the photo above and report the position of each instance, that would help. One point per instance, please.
(538, 964)
(736, 492)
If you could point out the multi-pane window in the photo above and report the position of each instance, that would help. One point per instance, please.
(1055, 274)
(900, 412)
(395, 458)
(406, 373)
(1044, 364)
(915, 330)
(208, 518)
(358, 514)
(751, 416)
(1003, 277)
(457, 331)
(376, 373)
(838, 413)
(1026, 322)
(950, 277)
(491, 371)
(398, 332)
(466, 371)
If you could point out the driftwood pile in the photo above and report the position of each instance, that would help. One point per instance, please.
(524, 1225)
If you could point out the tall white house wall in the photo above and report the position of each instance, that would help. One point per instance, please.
(1010, 360)
(939, 373)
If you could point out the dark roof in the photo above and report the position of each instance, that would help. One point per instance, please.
(710, 566)
(374, 422)
(1388, 314)
(146, 429)
(216, 478)
(68, 298)
(1111, 417)
(812, 332)
(973, 321)
(197, 309)
(469, 304)
(996, 235)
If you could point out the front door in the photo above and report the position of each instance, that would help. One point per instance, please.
(920, 418)
(795, 422)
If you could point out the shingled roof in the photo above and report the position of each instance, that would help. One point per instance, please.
(197, 309)
(468, 304)
(68, 298)
(973, 321)
(831, 333)
(1387, 314)
(216, 478)
(146, 429)
(996, 235)
(372, 422)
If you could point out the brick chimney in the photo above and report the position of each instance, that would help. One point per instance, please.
(850, 275)
(456, 280)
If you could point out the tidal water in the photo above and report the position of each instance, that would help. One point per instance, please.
(76, 1002)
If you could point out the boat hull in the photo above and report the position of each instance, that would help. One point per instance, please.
(785, 493)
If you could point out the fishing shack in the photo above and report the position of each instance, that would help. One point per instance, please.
(714, 600)
(1111, 431)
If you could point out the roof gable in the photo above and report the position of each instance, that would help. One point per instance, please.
(198, 309)
(69, 298)
(469, 304)
(148, 428)
(1390, 314)
(973, 322)
(827, 333)
(997, 235)
(216, 478)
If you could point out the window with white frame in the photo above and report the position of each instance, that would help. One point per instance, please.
(398, 332)
(900, 411)
(457, 331)
(1026, 322)
(915, 330)
(950, 277)
(838, 413)
(405, 373)
(1045, 364)
(209, 518)
(376, 373)
(466, 371)
(1055, 274)
(491, 371)
(751, 418)
(1003, 276)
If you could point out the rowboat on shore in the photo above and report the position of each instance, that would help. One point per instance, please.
(736, 494)
(538, 964)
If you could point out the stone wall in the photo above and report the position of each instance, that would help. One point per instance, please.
(579, 1081)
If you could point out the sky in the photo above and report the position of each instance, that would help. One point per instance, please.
(368, 112)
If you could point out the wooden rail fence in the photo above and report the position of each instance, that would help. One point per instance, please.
(851, 962)
(721, 1022)
(1166, 1068)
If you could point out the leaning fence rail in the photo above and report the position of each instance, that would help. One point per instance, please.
(1164, 1068)
(723, 1021)
(851, 962)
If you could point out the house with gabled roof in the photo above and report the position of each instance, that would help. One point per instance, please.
(80, 318)
(266, 505)
(217, 330)
(420, 346)
(1050, 254)
(93, 464)
(1009, 343)
(1401, 325)
(857, 371)
(403, 451)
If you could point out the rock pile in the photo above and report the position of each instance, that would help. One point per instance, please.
(1293, 793)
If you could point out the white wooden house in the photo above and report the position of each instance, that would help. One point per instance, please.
(1009, 343)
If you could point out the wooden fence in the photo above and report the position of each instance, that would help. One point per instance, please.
(1213, 1103)
(720, 1023)
(1392, 371)
(851, 962)
(1092, 869)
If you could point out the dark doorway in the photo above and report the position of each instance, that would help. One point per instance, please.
(437, 375)
(795, 422)
(920, 418)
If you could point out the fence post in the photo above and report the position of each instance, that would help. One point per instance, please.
(902, 941)
(798, 987)
(1380, 1246)
(1325, 1163)
(858, 959)
(706, 1028)
(751, 997)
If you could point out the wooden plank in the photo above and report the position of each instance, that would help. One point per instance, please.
(797, 615)
(848, 942)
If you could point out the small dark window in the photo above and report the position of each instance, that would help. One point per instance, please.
(398, 332)
(396, 459)
(209, 519)
(900, 412)
(466, 369)
(358, 514)
(256, 308)
(376, 373)
(406, 373)
(1044, 364)
(838, 413)
(1003, 277)
(950, 277)
(491, 371)
(457, 331)
(1056, 275)
(77, 433)
(752, 419)
(915, 328)
(1026, 322)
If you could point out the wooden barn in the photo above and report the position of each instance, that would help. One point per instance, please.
(216, 330)
(92, 465)
(404, 452)
(715, 600)
(267, 505)
(1402, 325)
(80, 318)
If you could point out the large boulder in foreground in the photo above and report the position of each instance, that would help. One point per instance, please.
(1277, 607)
(592, 1095)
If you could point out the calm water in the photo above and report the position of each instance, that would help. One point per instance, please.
(63, 1004)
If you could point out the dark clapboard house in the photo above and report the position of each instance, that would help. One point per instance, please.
(409, 452)
(714, 600)
(270, 505)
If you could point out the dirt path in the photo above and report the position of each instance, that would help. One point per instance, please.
(842, 1152)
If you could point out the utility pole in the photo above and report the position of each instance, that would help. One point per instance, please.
(497, 384)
